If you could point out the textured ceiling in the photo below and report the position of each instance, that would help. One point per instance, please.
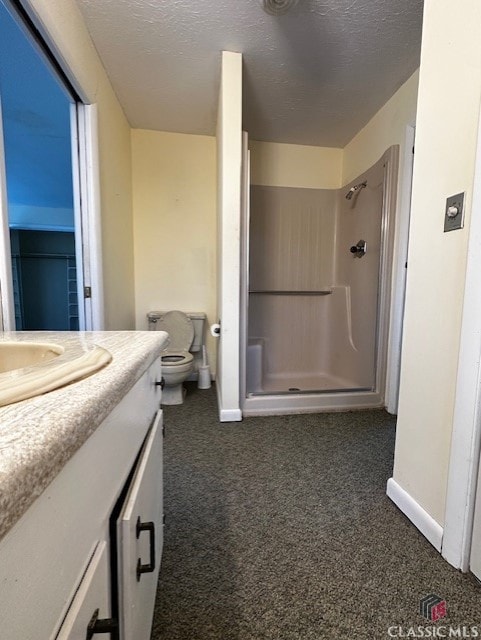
(313, 76)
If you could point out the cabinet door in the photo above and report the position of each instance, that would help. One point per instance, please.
(140, 538)
(93, 595)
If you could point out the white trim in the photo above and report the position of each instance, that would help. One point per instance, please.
(244, 263)
(388, 221)
(229, 163)
(91, 215)
(465, 443)
(399, 274)
(226, 415)
(418, 516)
(230, 415)
(77, 210)
(7, 307)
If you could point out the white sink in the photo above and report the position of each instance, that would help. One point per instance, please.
(29, 369)
(17, 355)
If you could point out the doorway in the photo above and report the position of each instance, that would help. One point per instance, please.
(42, 278)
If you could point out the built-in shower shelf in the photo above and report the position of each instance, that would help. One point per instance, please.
(318, 292)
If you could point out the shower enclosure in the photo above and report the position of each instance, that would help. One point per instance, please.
(316, 291)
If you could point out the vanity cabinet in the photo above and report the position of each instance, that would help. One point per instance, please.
(88, 549)
(136, 541)
(92, 600)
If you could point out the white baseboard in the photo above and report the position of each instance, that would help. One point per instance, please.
(418, 516)
(230, 415)
(227, 415)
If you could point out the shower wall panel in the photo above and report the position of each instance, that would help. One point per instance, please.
(294, 330)
(359, 219)
(292, 239)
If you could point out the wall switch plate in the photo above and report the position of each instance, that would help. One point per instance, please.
(454, 212)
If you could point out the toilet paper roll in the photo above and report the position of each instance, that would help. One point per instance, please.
(215, 330)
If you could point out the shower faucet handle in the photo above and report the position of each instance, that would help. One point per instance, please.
(359, 249)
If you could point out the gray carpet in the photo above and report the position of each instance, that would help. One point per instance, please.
(279, 528)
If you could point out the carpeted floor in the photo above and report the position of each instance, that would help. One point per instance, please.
(279, 528)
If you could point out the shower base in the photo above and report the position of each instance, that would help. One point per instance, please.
(304, 383)
(294, 393)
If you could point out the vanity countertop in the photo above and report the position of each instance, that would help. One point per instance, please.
(39, 435)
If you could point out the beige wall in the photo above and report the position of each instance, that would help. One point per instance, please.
(290, 165)
(294, 165)
(386, 128)
(444, 165)
(71, 42)
(174, 185)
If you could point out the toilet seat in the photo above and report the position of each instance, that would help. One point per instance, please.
(176, 357)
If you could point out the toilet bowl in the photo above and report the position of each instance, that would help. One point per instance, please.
(177, 362)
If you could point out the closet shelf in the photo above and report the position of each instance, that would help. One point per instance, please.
(275, 292)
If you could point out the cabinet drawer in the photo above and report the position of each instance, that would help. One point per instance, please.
(93, 594)
(140, 538)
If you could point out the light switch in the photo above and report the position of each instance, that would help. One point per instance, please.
(454, 212)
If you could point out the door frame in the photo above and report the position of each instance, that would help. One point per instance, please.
(7, 307)
(87, 217)
(400, 256)
(244, 265)
(464, 458)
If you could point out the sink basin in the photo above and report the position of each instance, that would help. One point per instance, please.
(17, 355)
(29, 369)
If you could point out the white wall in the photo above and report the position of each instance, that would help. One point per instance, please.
(174, 199)
(444, 165)
(229, 164)
(70, 40)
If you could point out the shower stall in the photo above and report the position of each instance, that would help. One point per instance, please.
(315, 295)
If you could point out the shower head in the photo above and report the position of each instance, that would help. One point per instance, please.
(353, 190)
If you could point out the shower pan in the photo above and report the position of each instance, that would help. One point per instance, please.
(316, 270)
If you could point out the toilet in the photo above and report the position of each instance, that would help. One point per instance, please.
(186, 336)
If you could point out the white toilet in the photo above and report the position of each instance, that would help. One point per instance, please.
(186, 336)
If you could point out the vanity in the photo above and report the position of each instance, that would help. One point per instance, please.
(81, 519)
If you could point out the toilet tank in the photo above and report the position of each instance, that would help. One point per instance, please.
(198, 320)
